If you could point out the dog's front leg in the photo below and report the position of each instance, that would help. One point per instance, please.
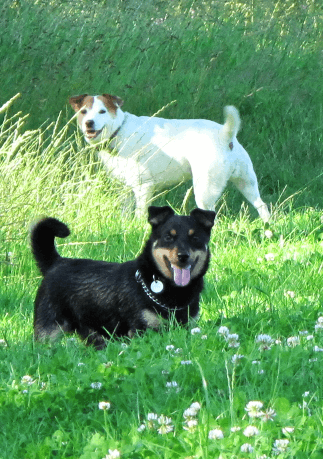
(143, 195)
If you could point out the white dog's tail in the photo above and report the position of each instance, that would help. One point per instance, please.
(232, 123)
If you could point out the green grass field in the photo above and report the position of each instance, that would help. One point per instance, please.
(184, 392)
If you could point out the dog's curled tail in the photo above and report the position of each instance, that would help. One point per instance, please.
(231, 124)
(42, 238)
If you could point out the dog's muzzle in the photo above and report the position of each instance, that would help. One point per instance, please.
(92, 134)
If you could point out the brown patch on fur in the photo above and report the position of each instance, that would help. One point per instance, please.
(201, 257)
(191, 232)
(111, 102)
(79, 102)
(163, 255)
(151, 319)
(173, 232)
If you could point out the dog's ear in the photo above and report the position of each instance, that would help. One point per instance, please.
(158, 215)
(117, 101)
(77, 101)
(204, 217)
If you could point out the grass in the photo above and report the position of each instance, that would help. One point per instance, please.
(264, 58)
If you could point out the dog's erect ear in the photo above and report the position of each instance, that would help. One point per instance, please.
(158, 215)
(204, 217)
(77, 101)
(117, 101)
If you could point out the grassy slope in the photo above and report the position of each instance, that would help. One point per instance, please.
(203, 58)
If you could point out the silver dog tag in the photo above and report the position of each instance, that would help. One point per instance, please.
(156, 286)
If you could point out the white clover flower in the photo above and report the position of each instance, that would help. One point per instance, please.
(246, 448)
(165, 429)
(186, 362)
(270, 256)
(280, 446)
(81, 364)
(265, 342)
(27, 380)
(141, 428)
(196, 406)
(318, 326)
(309, 337)
(204, 337)
(320, 320)
(216, 434)
(263, 338)
(293, 341)
(306, 394)
(170, 347)
(250, 431)
(317, 349)
(195, 330)
(268, 415)
(303, 332)
(233, 340)
(288, 430)
(290, 294)
(164, 420)
(96, 385)
(165, 425)
(268, 234)
(113, 454)
(189, 413)
(235, 429)
(191, 425)
(223, 331)
(171, 384)
(253, 409)
(236, 358)
(152, 420)
(3, 343)
(104, 405)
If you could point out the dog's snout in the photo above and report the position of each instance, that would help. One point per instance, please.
(89, 124)
(183, 257)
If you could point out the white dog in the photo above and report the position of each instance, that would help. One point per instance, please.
(156, 153)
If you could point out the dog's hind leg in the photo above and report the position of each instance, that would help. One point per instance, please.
(249, 188)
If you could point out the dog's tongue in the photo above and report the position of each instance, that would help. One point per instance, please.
(181, 276)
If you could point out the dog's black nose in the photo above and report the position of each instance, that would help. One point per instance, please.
(89, 124)
(183, 257)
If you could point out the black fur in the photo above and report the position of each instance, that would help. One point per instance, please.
(99, 299)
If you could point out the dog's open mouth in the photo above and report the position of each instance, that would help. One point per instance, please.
(92, 133)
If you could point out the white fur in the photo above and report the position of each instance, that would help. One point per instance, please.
(156, 153)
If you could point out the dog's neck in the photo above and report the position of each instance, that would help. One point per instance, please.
(150, 294)
(116, 132)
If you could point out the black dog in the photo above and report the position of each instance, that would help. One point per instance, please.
(99, 299)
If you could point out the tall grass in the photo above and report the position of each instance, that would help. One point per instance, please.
(264, 58)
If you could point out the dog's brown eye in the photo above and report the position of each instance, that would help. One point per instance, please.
(84, 111)
(102, 111)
